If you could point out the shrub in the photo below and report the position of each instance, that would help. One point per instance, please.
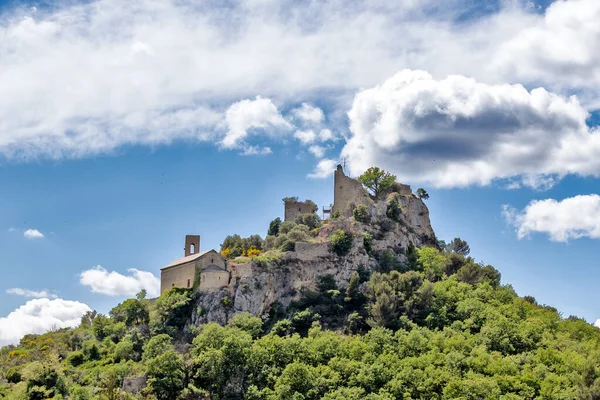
(341, 242)
(76, 358)
(361, 213)
(311, 220)
(368, 242)
(13, 375)
(393, 209)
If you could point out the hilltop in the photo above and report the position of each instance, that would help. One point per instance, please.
(367, 304)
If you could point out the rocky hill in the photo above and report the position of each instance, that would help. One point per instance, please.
(379, 236)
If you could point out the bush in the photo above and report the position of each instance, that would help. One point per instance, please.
(341, 242)
(311, 220)
(361, 214)
(13, 375)
(76, 358)
(368, 242)
(393, 209)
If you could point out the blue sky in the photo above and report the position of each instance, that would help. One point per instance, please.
(118, 139)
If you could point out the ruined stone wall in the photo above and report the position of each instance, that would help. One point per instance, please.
(347, 193)
(178, 276)
(309, 251)
(241, 269)
(295, 208)
(402, 189)
(212, 281)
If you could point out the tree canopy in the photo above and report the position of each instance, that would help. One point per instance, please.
(377, 181)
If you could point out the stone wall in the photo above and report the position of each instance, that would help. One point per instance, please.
(347, 193)
(212, 281)
(295, 208)
(309, 251)
(178, 276)
(241, 269)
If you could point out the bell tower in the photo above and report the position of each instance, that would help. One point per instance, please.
(192, 245)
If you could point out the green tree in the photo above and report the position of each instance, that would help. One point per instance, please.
(274, 227)
(166, 375)
(457, 245)
(248, 323)
(422, 194)
(377, 181)
(132, 311)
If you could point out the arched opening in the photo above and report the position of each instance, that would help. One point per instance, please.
(192, 248)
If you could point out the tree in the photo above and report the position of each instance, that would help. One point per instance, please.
(166, 374)
(457, 245)
(377, 181)
(422, 194)
(274, 227)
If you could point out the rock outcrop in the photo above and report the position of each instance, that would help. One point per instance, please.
(258, 285)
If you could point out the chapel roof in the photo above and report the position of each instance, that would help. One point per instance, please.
(191, 257)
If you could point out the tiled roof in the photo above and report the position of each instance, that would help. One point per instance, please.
(189, 258)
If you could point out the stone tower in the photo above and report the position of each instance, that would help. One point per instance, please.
(192, 245)
(347, 193)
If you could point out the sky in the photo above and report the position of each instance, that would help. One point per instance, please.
(125, 125)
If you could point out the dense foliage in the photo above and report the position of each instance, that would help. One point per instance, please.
(438, 326)
(377, 181)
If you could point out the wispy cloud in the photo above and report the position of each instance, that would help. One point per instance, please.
(32, 293)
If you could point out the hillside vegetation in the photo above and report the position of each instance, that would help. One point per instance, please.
(441, 328)
(415, 323)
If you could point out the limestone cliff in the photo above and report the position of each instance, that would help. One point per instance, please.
(258, 285)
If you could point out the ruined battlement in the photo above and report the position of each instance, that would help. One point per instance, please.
(294, 208)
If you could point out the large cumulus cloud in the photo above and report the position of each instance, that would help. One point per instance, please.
(39, 316)
(457, 132)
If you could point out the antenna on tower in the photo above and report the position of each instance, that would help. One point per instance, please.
(344, 163)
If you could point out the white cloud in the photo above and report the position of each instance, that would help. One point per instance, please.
(323, 169)
(38, 316)
(112, 283)
(305, 137)
(326, 135)
(571, 218)
(458, 132)
(560, 48)
(245, 115)
(256, 151)
(32, 293)
(309, 114)
(33, 234)
(597, 323)
(172, 70)
(317, 151)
